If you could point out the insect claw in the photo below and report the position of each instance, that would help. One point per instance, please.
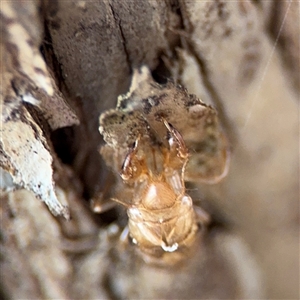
(128, 167)
(167, 124)
(181, 148)
(136, 142)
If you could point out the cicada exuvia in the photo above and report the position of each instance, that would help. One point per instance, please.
(157, 138)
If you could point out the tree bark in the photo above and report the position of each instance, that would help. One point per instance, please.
(63, 63)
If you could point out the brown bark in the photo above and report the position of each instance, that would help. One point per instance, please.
(61, 57)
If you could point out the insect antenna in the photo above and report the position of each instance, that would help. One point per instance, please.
(121, 202)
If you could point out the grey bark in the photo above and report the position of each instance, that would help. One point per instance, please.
(65, 62)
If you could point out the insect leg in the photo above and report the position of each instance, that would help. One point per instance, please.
(176, 140)
(178, 157)
(202, 217)
(124, 238)
(133, 166)
(101, 202)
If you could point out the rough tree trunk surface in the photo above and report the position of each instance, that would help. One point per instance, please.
(65, 62)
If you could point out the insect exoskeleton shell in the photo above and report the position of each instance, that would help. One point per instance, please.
(162, 219)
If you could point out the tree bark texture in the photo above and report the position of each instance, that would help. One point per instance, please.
(65, 62)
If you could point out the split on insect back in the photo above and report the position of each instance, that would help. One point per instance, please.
(157, 138)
